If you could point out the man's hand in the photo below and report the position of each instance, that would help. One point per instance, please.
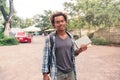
(46, 76)
(81, 49)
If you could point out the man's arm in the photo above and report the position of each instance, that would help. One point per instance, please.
(45, 63)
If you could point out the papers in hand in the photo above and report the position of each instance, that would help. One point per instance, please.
(83, 40)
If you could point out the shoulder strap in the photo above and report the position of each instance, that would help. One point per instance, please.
(51, 39)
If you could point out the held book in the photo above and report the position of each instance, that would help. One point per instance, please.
(83, 40)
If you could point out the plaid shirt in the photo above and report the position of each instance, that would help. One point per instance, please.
(50, 66)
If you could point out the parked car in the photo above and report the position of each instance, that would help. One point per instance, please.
(23, 37)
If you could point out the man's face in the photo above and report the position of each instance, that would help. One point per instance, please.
(60, 23)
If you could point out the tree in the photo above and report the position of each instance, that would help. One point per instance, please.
(7, 15)
(16, 21)
(75, 11)
(96, 12)
(44, 21)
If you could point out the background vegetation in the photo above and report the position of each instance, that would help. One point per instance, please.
(83, 14)
(4, 40)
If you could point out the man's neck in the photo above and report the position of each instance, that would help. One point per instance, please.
(61, 33)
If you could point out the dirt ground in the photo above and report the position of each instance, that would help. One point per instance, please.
(23, 62)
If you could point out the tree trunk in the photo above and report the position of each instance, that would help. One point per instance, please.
(7, 17)
(7, 29)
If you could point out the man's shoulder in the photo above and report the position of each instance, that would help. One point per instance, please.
(70, 35)
(52, 33)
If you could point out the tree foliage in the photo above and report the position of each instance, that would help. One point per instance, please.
(44, 21)
(94, 12)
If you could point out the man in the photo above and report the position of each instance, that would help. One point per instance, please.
(59, 52)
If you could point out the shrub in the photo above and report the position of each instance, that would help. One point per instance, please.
(76, 36)
(1, 36)
(90, 35)
(98, 41)
(7, 40)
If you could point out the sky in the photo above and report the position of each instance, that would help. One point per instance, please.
(29, 8)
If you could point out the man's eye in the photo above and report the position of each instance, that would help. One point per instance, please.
(58, 22)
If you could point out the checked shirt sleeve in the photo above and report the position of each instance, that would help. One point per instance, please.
(46, 50)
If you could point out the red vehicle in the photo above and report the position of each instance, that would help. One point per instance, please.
(23, 37)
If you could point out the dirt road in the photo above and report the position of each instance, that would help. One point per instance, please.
(23, 62)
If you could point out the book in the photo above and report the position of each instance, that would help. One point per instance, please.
(83, 40)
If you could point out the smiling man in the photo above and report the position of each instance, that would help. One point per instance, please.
(59, 52)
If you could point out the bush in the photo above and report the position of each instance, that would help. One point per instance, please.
(76, 37)
(1, 36)
(7, 40)
(90, 35)
(1, 29)
(98, 41)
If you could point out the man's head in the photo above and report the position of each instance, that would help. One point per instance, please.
(53, 16)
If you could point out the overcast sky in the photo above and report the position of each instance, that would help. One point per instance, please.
(28, 8)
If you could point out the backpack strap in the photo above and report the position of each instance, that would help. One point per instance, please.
(52, 41)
